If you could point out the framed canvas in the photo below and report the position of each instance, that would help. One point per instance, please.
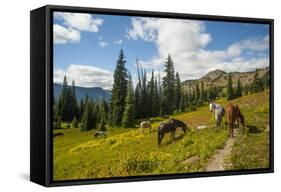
(125, 95)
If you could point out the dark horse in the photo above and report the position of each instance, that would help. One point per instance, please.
(170, 126)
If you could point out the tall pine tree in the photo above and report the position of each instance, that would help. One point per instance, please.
(230, 92)
(257, 84)
(119, 90)
(128, 119)
(239, 89)
(202, 92)
(168, 99)
(197, 94)
(178, 91)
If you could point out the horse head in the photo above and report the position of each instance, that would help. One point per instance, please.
(212, 105)
(181, 124)
(184, 127)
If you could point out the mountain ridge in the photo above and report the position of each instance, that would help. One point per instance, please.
(219, 78)
(81, 92)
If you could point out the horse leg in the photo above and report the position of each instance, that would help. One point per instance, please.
(159, 139)
(232, 131)
(217, 124)
(229, 128)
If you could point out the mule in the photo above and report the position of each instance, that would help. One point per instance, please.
(218, 111)
(170, 126)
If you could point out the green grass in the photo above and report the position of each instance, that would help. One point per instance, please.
(129, 152)
(251, 149)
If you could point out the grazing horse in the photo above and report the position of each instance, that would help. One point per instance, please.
(218, 112)
(234, 115)
(145, 125)
(100, 134)
(58, 134)
(170, 126)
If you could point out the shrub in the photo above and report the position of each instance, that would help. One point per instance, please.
(75, 123)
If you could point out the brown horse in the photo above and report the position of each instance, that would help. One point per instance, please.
(234, 115)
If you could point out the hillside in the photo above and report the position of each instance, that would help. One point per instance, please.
(130, 152)
(219, 78)
(81, 92)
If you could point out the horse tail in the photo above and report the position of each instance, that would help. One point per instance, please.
(223, 112)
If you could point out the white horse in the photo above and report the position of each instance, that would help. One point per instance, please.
(145, 125)
(218, 112)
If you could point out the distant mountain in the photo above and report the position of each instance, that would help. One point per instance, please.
(219, 78)
(81, 92)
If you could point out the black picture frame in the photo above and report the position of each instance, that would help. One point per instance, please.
(41, 91)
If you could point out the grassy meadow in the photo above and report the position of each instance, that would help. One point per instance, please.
(130, 152)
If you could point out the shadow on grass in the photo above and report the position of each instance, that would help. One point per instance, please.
(253, 129)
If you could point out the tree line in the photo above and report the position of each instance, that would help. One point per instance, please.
(258, 85)
(157, 96)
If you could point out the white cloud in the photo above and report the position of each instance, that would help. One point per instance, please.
(257, 44)
(80, 21)
(118, 42)
(64, 35)
(103, 44)
(186, 41)
(72, 25)
(85, 76)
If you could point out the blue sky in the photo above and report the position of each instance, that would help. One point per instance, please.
(86, 46)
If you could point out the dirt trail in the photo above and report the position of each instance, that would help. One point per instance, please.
(220, 161)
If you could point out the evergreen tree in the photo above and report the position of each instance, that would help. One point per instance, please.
(73, 106)
(85, 123)
(144, 97)
(239, 89)
(75, 123)
(156, 99)
(103, 112)
(119, 90)
(138, 92)
(62, 101)
(66, 106)
(88, 119)
(137, 101)
(197, 94)
(129, 113)
(230, 92)
(246, 89)
(182, 102)
(257, 84)
(266, 80)
(178, 92)
(81, 110)
(168, 98)
(202, 92)
(151, 96)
